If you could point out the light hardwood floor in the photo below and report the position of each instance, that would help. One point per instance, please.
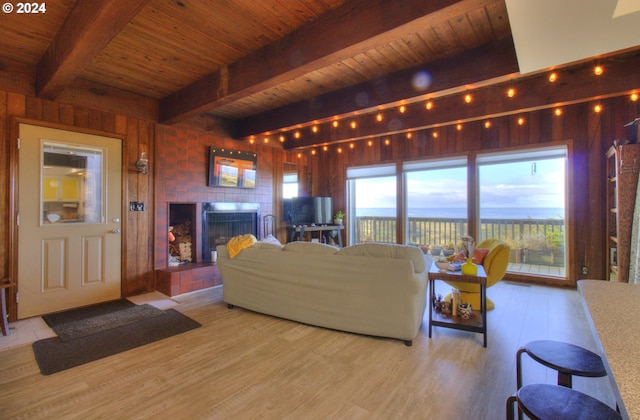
(243, 365)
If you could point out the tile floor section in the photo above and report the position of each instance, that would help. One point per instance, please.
(26, 331)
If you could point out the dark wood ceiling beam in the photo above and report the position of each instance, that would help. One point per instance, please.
(576, 84)
(344, 32)
(94, 95)
(90, 26)
(487, 64)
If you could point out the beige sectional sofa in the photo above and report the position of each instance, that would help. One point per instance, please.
(373, 289)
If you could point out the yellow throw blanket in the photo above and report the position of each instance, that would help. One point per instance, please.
(238, 243)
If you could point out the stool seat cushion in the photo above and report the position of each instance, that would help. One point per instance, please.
(566, 358)
(543, 401)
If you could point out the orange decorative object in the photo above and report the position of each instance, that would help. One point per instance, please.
(171, 237)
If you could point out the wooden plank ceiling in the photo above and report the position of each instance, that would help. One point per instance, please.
(257, 66)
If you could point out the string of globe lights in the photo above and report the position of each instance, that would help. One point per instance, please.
(429, 104)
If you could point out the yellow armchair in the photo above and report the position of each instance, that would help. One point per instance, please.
(495, 265)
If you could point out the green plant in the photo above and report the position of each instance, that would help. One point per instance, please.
(339, 215)
(555, 239)
(549, 240)
(535, 241)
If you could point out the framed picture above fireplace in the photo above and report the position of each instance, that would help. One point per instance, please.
(232, 168)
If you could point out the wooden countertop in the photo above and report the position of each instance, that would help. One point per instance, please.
(611, 309)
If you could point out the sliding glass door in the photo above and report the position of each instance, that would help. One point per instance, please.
(522, 198)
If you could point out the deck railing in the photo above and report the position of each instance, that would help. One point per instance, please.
(538, 240)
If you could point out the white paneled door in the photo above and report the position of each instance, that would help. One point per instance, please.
(69, 206)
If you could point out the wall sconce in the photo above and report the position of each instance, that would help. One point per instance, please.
(142, 165)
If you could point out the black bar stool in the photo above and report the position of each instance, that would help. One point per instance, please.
(544, 401)
(567, 359)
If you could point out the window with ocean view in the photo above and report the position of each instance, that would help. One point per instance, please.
(372, 201)
(521, 198)
(522, 202)
(436, 204)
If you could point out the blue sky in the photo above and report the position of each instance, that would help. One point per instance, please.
(504, 185)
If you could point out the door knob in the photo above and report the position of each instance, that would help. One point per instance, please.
(115, 230)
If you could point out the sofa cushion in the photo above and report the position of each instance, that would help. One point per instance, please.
(310, 247)
(388, 251)
(267, 245)
(270, 239)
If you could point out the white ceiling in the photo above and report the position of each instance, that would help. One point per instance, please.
(549, 33)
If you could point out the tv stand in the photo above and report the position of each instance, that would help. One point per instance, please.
(300, 230)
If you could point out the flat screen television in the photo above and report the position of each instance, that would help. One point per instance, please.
(308, 210)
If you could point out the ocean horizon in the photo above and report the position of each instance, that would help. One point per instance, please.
(459, 212)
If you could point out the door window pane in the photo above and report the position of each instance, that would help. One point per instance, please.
(72, 184)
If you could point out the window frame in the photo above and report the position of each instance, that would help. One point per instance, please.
(571, 249)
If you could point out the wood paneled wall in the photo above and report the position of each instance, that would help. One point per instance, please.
(138, 135)
(590, 134)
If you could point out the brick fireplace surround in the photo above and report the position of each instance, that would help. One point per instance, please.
(181, 160)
